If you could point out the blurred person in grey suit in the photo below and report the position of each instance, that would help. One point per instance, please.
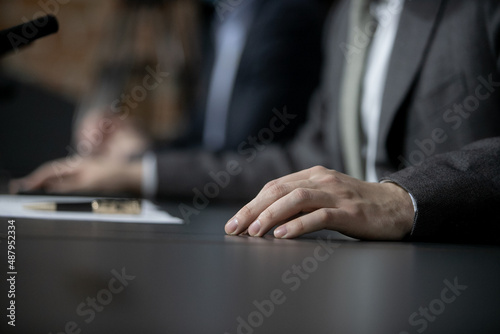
(409, 98)
(430, 86)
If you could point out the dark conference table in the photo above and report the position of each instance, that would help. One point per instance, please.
(94, 277)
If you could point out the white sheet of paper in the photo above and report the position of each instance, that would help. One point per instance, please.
(12, 206)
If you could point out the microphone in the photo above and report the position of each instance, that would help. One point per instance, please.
(19, 36)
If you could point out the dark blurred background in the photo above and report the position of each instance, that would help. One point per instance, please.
(40, 84)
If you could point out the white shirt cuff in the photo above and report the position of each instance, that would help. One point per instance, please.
(413, 202)
(149, 185)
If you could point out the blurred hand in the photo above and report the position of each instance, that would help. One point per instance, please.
(318, 198)
(100, 133)
(86, 175)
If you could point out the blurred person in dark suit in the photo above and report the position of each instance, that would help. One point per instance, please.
(260, 57)
(263, 55)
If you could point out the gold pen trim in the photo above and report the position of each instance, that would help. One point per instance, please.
(41, 206)
(127, 207)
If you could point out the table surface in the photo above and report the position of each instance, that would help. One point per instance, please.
(82, 277)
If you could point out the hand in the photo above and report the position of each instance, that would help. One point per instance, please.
(93, 131)
(73, 175)
(318, 198)
(100, 133)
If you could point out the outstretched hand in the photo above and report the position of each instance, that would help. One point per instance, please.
(318, 198)
(84, 175)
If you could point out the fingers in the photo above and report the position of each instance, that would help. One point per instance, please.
(316, 192)
(46, 176)
(68, 184)
(272, 192)
(35, 180)
(311, 222)
(300, 200)
(297, 200)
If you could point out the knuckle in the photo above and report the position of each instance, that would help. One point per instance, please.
(299, 226)
(268, 215)
(270, 184)
(318, 169)
(245, 211)
(302, 195)
(325, 176)
(325, 215)
(277, 190)
(357, 213)
(330, 179)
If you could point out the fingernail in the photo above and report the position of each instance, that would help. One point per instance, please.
(280, 232)
(254, 229)
(232, 226)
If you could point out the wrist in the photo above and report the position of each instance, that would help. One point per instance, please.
(403, 210)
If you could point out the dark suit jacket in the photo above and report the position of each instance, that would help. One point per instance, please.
(442, 92)
(280, 65)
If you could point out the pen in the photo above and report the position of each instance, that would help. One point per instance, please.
(106, 206)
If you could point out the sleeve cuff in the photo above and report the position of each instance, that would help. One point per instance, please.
(149, 186)
(413, 202)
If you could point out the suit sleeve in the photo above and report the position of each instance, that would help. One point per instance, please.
(457, 194)
(240, 175)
